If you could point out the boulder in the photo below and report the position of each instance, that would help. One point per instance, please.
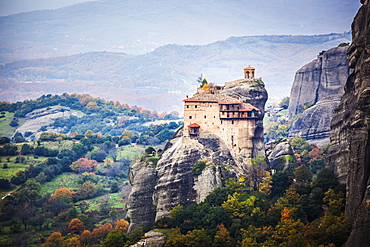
(280, 155)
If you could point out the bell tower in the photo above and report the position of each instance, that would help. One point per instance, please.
(249, 72)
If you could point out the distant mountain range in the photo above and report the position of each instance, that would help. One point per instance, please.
(139, 26)
(161, 79)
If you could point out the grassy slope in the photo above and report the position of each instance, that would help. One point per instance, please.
(5, 129)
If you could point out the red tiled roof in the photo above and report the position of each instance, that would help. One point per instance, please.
(194, 125)
(211, 98)
(249, 67)
(248, 107)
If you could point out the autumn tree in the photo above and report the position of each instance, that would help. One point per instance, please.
(55, 240)
(100, 232)
(92, 106)
(223, 238)
(86, 238)
(121, 225)
(73, 242)
(84, 165)
(64, 194)
(76, 225)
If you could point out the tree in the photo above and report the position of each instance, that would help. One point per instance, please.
(121, 225)
(284, 103)
(86, 238)
(222, 238)
(198, 238)
(76, 225)
(280, 182)
(115, 239)
(257, 171)
(303, 173)
(26, 149)
(136, 234)
(87, 190)
(74, 242)
(64, 194)
(100, 232)
(55, 240)
(84, 165)
(150, 151)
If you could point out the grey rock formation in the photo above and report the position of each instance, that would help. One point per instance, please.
(319, 84)
(157, 190)
(177, 185)
(324, 76)
(314, 123)
(142, 211)
(349, 153)
(152, 239)
(279, 155)
(43, 118)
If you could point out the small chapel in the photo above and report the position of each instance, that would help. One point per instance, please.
(229, 118)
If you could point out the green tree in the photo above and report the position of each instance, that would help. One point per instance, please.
(87, 190)
(136, 234)
(198, 238)
(115, 238)
(198, 168)
(279, 183)
(284, 103)
(303, 173)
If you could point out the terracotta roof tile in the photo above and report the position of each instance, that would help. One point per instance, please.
(194, 125)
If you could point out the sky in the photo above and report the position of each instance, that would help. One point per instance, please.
(9, 7)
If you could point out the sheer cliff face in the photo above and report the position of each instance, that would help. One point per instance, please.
(314, 123)
(324, 76)
(156, 190)
(319, 83)
(349, 154)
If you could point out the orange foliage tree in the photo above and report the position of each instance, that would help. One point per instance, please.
(121, 225)
(84, 165)
(76, 225)
(55, 240)
(86, 238)
(102, 231)
(64, 194)
(74, 242)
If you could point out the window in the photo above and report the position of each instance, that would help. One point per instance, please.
(214, 116)
(205, 116)
(221, 122)
(232, 122)
(187, 106)
(196, 106)
(190, 117)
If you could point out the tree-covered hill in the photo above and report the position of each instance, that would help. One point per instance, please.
(77, 114)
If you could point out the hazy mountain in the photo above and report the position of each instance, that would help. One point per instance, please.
(138, 26)
(161, 79)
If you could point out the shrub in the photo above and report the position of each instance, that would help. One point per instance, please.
(198, 168)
